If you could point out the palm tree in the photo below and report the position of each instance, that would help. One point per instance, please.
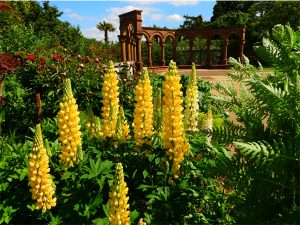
(104, 26)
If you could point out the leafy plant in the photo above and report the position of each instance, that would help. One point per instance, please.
(267, 151)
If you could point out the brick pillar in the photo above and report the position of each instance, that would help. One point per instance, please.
(163, 62)
(139, 60)
(149, 54)
(225, 51)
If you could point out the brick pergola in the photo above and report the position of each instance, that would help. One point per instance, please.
(132, 32)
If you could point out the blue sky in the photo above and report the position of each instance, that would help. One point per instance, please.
(87, 14)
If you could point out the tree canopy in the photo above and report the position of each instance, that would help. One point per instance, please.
(106, 27)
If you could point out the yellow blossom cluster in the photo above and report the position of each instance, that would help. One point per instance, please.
(118, 200)
(174, 139)
(143, 111)
(122, 131)
(157, 111)
(42, 186)
(208, 121)
(141, 222)
(69, 128)
(191, 110)
(110, 108)
(94, 127)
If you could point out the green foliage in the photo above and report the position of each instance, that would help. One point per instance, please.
(266, 164)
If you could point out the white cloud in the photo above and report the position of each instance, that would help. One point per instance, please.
(93, 32)
(184, 2)
(113, 18)
(79, 17)
(156, 17)
(67, 10)
(174, 18)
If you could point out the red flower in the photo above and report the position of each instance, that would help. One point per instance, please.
(30, 57)
(7, 63)
(43, 60)
(58, 57)
(5, 7)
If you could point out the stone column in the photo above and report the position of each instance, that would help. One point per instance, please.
(191, 42)
(207, 59)
(133, 51)
(139, 60)
(242, 43)
(123, 48)
(149, 53)
(163, 62)
(225, 50)
(128, 48)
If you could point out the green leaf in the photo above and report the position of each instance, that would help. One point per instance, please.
(134, 215)
(145, 173)
(101, 221)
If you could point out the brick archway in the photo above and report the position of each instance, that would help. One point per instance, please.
(132, 31)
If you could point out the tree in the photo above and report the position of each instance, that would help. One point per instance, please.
(193, 22)
(104, 26)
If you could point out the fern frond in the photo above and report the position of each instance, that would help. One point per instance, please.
(227, 135)
(271, 98)
(260, 151)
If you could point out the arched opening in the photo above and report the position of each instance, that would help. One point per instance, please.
(169, 49)
(145, 50)
(156, 50)
(182, 50)
(199, 50)
(233, 46)
(217, 48)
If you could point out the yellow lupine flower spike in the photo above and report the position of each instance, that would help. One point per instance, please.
(110, 108)
(191, 110)
(174, 140)
(143, 111)
(94, 127)
(69, 128)
(118, 201)
(158, 111)
(42, 186)
(122, 131)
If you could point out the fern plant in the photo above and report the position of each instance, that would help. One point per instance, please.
(266, 167)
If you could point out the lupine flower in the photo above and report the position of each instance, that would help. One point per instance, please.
(118, 200)
(143, 111)
(174, 140)
(42, 187)
(208, 121)
(69, 128)
(191, 103)
(110, 108)
(158, 111)
(141, 222)
(122, 131)
(94, 127)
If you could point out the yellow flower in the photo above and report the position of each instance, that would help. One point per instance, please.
(118, 200)
(158, 111)
(42, 186)
(208, 121)
(110, 108)
(174, 140)
(94, 127)
(122, 131)
(141, 222)
(69, 128)
(191, 111)
(143, 111)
